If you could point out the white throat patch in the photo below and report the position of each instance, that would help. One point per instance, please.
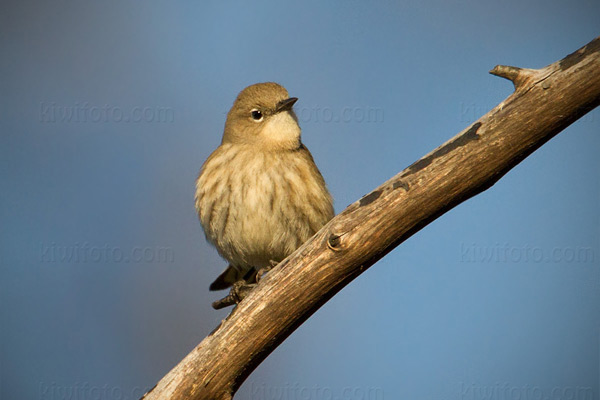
(281, 131)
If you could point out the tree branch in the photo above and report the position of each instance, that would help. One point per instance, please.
(544, 103)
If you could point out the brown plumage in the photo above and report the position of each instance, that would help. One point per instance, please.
(260, 195)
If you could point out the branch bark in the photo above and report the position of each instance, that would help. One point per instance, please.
(544, 103)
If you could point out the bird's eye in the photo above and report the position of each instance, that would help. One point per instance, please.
(257, 115)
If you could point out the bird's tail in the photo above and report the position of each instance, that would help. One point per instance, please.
(227, 278)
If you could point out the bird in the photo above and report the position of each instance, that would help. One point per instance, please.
(259, 194)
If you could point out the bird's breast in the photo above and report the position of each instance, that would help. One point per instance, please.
(260, 206)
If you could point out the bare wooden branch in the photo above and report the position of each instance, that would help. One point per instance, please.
(519, 76)
(545, 102)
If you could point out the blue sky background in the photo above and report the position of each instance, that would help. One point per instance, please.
(107, 111)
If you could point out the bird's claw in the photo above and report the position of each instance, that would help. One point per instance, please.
(239, 290)
(261, 272)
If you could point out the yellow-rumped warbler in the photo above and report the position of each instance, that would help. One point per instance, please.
(260, 195)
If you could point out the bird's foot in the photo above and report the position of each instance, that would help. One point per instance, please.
(239, 290)
(261, 272)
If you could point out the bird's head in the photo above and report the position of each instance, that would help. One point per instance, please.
(262, 115)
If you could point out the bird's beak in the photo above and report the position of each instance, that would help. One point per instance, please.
(287, 104)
